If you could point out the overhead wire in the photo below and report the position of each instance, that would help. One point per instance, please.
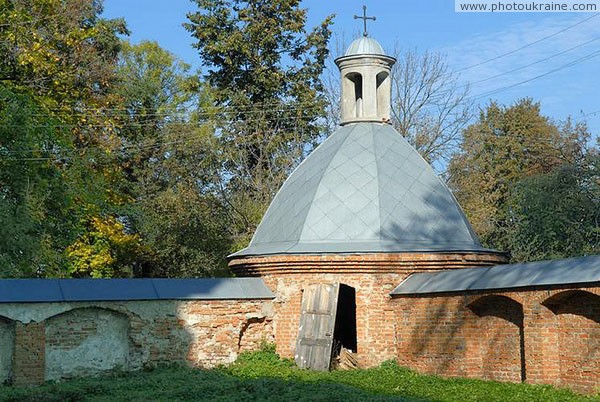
(526, 45)
(562, 67)
(534, 63)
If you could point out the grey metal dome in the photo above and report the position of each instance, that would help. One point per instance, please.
(363, 46)
(365, 189)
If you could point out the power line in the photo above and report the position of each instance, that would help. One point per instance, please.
(177, 112)
(527, 45)
(570, 64)
(150, 144)
(535, 62)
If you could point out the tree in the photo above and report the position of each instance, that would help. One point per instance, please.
(60, 65)
(155, 90)
(61, 50)
(507, 145)
(429, 108)
(37, 204)
(557, 215)
(165, 153)
(264, 71)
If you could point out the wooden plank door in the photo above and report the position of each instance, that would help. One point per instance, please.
(317, 323)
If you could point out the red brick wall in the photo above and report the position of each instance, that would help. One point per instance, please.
(220, 330)
(373, 276)
(374, 313)
(506, 336)
(539, 336)
(578, 331)
(497, 335)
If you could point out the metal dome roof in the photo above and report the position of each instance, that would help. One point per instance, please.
(365, 189)
(364, 45)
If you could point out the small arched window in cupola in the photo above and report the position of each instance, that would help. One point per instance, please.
(355, 81)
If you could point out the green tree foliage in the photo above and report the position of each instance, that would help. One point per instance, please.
(154, 89)
(500, 156)
(264, 72)
(36, 203)
(59, 49)
(557, 215)
(105, 250)
(59, 66)
(164, 155)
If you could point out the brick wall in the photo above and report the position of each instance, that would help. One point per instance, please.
(373, 277)
(549, 336)
(85, 341)
(374, 314)
(60, 340)
(28, 357)
(577, 315)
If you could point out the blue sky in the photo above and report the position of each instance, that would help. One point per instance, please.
(467, 40)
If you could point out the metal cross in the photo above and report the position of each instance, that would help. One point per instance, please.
(364, 18)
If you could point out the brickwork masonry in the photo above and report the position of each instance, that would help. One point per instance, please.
(539, 336)
(52, 341)
(543, 336)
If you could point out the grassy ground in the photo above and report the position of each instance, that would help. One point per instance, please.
(262, 376)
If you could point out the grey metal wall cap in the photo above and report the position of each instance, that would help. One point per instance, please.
(79, 290)
(540, 273)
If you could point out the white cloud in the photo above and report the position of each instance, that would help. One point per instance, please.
(562, 93)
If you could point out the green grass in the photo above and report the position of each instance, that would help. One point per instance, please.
(262, 376)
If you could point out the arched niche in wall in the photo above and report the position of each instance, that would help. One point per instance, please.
(498, 337)
(86, 341)
(578, 332)
(7, 349)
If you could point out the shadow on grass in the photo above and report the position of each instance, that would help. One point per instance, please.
(181, 384)
(263, 376)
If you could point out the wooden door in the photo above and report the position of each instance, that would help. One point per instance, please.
(317, 323)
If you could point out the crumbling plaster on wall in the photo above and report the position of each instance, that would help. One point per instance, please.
(145, 309)
(85, 338)
(85, 341)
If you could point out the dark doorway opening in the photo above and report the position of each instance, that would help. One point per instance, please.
(344, 334)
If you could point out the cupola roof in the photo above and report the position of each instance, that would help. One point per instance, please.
(363, 190)
(364, 46)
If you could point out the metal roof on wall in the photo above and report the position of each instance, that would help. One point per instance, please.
(541, 273)
(364, 189)
(78, 290)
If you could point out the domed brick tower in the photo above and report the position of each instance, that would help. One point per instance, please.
(355, 218)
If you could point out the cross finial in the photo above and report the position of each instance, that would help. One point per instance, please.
(364, 18)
